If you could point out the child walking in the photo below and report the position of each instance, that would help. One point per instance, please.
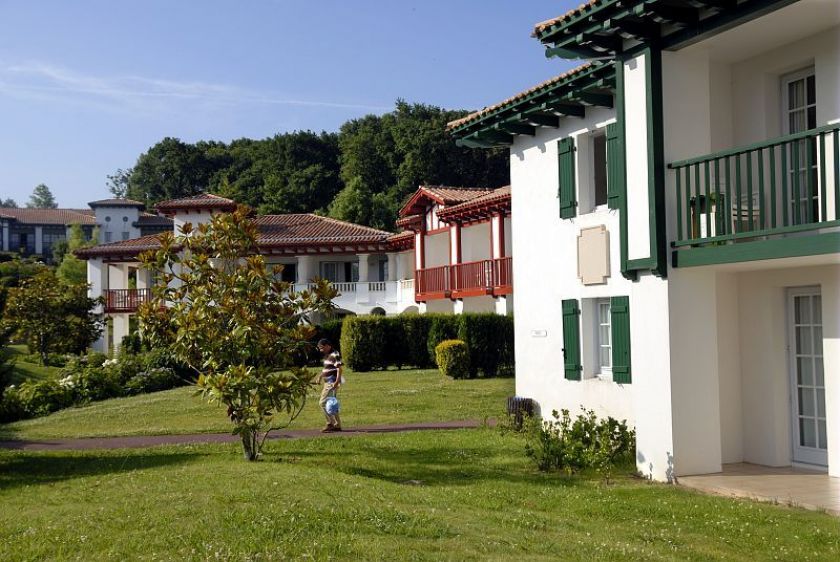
(331, 377)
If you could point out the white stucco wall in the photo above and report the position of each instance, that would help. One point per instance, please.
(437, 249)
(544, 251)
(116, 220)
(475, 242)
(635, 115)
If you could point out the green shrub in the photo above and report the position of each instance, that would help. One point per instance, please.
(585, 443)
(363, 341)
(415, 338)
(331, 330)
(40, 398)
(453, 359)
(12, 407)
(153, 380)
(441, 327)
(96, 383)
(395, 352)
(488, 337)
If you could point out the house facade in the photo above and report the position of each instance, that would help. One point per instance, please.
(372, 269)
(34, 232)
(681, 192)
(462, 248)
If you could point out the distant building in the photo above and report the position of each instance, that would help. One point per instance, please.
(34, 232)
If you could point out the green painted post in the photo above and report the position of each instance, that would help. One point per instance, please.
(750, 192)
(688, 233)
(697, 200)
(761, 200)
(679, 205)
(773, 186)
(836, 174)
(738, 214)
(708, 202)
(810, 188)
(785, 198)
(728, 196)
(720, 203)
(794, 161)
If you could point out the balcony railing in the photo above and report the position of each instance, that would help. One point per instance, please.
(785, 185)
(126, 300)
(485, 277)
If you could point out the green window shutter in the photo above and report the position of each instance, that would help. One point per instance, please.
(571, 339)
(615, 166)
(566, 165)
(620, 318)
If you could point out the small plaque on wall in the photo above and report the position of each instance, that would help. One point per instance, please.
(593, 255)
(539, 333)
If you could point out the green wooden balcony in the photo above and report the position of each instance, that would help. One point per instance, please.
(777, 198)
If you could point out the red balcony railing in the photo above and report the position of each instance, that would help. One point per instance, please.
(485, 277)
(126, 300)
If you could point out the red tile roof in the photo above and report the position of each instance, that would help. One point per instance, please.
(49, 216)
(441, 194)
(580, 10)
(496, 200)
(294, 230)
(546, 85)
(117, 203)
(148, 219)
(196, 202)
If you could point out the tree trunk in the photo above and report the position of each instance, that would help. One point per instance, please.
(250, 444)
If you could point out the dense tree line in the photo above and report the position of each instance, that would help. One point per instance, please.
(362, 174)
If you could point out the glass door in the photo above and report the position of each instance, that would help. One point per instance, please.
(799, 113)
(810, 443)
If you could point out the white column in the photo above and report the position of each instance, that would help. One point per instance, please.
(455, 243)
(364, 267)
(392, 267)
(497, 232)
(5, 237)
(307, 268)
(97, 278)
(144, 278)
(504, 305)
(458, 306)
(39, 240)
(121, 328)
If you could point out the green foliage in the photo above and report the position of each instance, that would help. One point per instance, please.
(42, 198)
(8, 203)
(441, 327)
(378, 342)
(222, 312)
(14, 271)
(453, 359)
(489, 338)
(361, 174)
(363, 342)
(7, 362)
(585, 443)
(72, 270)
(52, 317)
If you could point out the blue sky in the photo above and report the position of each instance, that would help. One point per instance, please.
(86, 86)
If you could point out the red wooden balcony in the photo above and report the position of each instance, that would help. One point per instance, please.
(471, 279)
(126, 300)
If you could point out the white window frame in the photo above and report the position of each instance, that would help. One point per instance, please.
(603, 370)
(585, 143)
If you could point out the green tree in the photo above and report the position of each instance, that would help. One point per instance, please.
(14, 272)
(7, 363)
(8, 203)
(118, 182)
(52, 317)
(71, 270)
(168, 170)
(222, 311)
(42, 198)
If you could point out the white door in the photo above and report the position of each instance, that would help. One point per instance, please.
(810, 444)
(799, 114)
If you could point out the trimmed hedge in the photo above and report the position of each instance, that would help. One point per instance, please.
(453, 359)
(377, 342)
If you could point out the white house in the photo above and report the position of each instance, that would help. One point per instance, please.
(372, 269)
(462, 248)
(677, 203)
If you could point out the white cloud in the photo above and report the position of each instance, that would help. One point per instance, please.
(45, 82)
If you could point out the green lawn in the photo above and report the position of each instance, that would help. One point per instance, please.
(24, 370)
(367, 398)
(449, 495)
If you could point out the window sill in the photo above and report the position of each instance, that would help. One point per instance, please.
(606, 377)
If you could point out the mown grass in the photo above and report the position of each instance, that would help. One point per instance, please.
(450, 495)
(25, 369)
(367, 398)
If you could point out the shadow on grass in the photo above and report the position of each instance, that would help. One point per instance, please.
(431, 466)
(18, 470)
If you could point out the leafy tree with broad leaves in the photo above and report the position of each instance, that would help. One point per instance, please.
(52, 317)
(71, 270)
(219, 309)
(42, 198)
(118, 182)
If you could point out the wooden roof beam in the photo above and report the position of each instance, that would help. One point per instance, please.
(684, 15)
(539, 119)
(595, 98)
(637, 29)
(515, 127)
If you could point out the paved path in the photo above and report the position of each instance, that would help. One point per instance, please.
(153, 440)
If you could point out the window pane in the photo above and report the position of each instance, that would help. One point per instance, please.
(604, 335)
(818, 341)
(812, 92)
(795, 94)
(807, 433)
(599, 155)
(604, 358)
(823, 438)
(801, 310)
(803, 340)
(818, 371)
(805, 370)
(820, 403)
(816, 302)
(604, 313)
(811, 119)
(806, 402)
